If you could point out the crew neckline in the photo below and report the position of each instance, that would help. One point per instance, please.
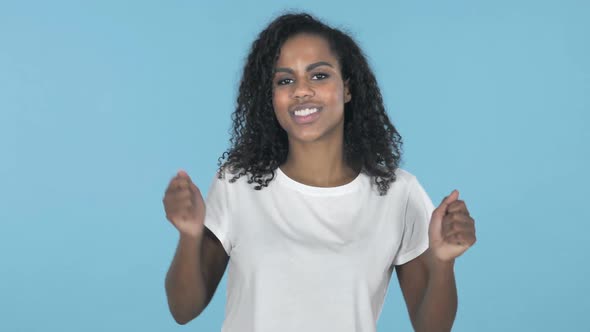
(318, 191)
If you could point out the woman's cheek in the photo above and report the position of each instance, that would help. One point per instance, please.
(278, 99)
(280, 114)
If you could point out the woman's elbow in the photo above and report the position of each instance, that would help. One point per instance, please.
(182, 319)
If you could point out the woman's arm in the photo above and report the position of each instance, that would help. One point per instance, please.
(428, 281)
(430, 292)
(193, 277)
(200, 259)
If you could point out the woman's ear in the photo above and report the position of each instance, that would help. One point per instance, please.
(347, 95)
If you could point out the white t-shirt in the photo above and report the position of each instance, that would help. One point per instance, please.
(306, 258)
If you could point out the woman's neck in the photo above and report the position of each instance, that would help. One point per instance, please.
(318, 164)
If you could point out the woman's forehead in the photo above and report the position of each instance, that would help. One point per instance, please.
(306, 48)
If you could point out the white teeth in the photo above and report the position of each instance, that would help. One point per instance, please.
(306, 111)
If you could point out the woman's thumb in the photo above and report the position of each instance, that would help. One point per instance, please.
(441, 210)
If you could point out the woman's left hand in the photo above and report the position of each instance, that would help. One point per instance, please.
(452, 230)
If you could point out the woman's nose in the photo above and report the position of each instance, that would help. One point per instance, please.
(302, 89)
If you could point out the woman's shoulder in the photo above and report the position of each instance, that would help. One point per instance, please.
(404, 181)
(404, 175)
(227, 180)
(228, 174)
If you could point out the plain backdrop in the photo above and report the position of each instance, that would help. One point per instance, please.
(101, 102)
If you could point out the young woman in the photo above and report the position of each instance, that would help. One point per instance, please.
(310, 208)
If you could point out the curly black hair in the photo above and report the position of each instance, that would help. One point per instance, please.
(259, 145)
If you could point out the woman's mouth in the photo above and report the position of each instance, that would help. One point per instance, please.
(306, 115)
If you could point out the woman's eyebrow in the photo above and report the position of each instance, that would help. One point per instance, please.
(309, 68)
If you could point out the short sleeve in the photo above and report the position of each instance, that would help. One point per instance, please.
(417, 216)
(216, 212)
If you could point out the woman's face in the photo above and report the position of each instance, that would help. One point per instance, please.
(308, 90)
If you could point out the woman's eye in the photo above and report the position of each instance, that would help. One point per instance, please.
(320, 76)
(284, 81)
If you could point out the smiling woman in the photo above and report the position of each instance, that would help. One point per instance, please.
(299, 62)
(313, 245)
(302, 111)
(309, 93)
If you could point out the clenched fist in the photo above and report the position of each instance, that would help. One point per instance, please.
(184, 205)
(452, 229)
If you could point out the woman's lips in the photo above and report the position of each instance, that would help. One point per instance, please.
(307, 118)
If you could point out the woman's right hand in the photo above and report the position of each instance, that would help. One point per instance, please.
(184, 205)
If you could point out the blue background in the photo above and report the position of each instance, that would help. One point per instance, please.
(102, 102)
